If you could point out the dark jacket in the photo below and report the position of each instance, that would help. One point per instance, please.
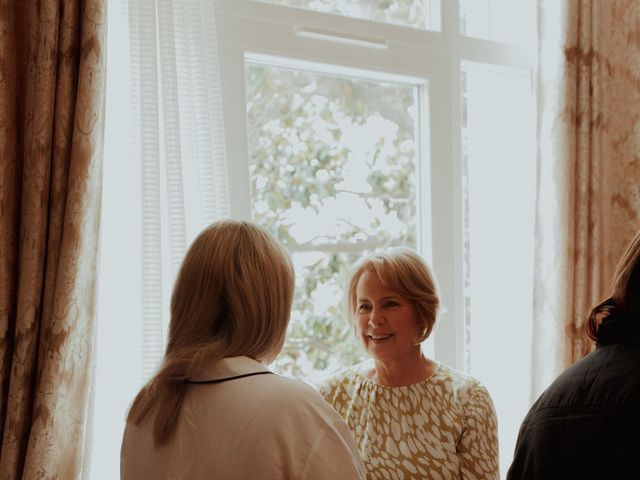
(586, 425)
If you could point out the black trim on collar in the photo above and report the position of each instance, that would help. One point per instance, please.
(221, 380)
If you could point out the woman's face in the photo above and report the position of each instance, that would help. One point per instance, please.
(386, 323)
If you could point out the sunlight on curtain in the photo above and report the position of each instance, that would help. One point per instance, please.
(588, 198)
(163, 132)
(52, 87)
(552, 235)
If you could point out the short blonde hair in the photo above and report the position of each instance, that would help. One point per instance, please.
(232, 297)
(406, 273)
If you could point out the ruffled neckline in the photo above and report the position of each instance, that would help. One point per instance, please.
(359, 372)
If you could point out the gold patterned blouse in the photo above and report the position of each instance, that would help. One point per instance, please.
(444, 427)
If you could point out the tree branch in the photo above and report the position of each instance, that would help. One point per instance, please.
(343, 247)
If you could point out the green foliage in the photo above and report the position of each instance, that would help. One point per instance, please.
(317, 141)
(411, 13)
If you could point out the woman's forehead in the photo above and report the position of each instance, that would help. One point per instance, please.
(370, 283)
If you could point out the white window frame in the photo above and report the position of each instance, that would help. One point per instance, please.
(433, 59)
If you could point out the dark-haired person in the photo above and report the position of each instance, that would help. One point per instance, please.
(586, 425)
(411, 417)
(213, 410)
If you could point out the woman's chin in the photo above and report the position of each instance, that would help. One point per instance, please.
(381, 351)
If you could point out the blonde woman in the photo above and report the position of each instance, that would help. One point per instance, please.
(213, 409)
(411, 416)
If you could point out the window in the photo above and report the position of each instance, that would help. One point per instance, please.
(474, 147)
(508, 21)
(332, 166)
(348, 126)
(498, 158)
(410, 13)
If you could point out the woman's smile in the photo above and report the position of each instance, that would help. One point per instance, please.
(386, 322)
(380, 338)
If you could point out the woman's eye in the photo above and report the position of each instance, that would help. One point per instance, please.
(391, 303)
(363, 308)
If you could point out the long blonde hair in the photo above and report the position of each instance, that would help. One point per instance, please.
(232, 297)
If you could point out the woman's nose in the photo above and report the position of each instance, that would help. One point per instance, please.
(376, 317)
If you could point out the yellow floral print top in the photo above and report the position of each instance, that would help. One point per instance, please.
(441, 428)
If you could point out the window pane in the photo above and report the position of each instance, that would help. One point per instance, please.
(423, 14)
(332, 166)
(508, 21)
(500, 167)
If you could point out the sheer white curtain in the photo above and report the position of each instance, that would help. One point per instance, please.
(176, 102)
(165, 178)
(552, 232)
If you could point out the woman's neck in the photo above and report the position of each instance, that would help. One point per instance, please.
(409, 370)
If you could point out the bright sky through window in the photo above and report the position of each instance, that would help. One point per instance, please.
(332, 162)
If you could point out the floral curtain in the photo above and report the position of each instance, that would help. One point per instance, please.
(51, 116)
(588, 168)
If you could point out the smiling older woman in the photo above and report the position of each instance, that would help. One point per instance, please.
(411, 416)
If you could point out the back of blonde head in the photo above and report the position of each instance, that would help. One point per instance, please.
(232, 297)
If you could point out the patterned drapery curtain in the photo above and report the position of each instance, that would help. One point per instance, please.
(51, 116)
(588, 205)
